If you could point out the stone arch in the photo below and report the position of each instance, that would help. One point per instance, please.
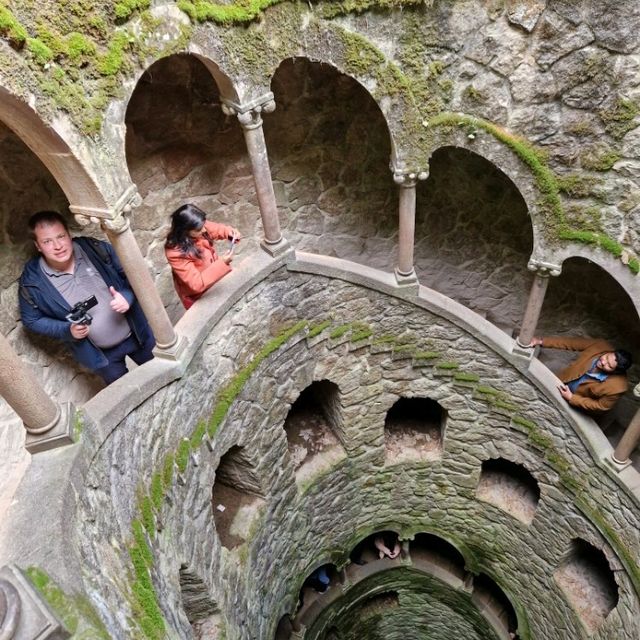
(588, 582)
(414, 428)
(474, 235)
(329, 149)
(495, 605)
(54, 152)
(314, 427)
(510, 487)
(568, 309)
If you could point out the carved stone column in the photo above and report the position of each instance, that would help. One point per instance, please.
(48, 425)
(543, 271)
(404, 271)
(250, 118)
(630, 438)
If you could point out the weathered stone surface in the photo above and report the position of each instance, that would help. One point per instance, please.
(525, 13)
(558, 37)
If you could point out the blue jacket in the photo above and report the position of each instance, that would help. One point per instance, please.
(43, 309)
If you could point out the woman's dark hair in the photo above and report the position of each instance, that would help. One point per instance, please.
(623, 360)
(186, 218)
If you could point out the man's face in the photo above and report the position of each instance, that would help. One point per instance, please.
(54, 242)
(607, 362)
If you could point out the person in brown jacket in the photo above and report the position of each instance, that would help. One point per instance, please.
(597, 378)
(192, 255)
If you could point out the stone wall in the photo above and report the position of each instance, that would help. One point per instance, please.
(303, 524)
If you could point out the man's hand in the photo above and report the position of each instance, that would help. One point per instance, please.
(118, 302)
(79, 331)
(227, 257)
(565, 392)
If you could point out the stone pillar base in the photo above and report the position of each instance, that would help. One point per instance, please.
(527, 353)
(407, 280)
(277, 249)
(617, 465)
(60, 435)
(35, 618)
(174, 352)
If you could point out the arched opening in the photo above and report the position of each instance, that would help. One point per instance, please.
(569, 309)
(319, 582)
(329, 147)
(377, 546)
(588, 582)
(27, 186)
(236, 497)
(314, 426)
(414, 429)
(474, 236)
(201, 611)
(284, 628)
(431, 551)
(510, 487)
(496, 606)
(181, 148)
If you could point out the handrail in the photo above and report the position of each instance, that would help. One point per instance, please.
(10, 608)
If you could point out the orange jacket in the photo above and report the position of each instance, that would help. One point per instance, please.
(592, 396)
(192, 276)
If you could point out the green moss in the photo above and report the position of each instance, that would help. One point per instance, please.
(11, 28)
(340, 331)
(114, 61)
(78, 425)
(148, 615)
(124, 8)
(474, 95)
(487, 391)
(599, 158)
(597, 239)
(198, 434)
(447, 365)
(167, 470)
(317, 329)
(182, 454)
(523, 422)
(147, 516)
(426, 355)
(79, 47)
(337, 8)
(75, 611)
(576, 185)
(619, 119)
(227, 14)
(360, 332)
(141, 541)
(157, 490)
(40, 52)
(466, 377)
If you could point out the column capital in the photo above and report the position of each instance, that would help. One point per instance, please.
(544, 269)
(127, 201)
(250, 113)
(408, 179)
(119, 224)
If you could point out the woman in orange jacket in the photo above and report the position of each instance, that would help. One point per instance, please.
(192, 255)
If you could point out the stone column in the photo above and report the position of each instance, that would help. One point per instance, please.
(250, 118)
(119, 232)
(404, 271)
(48, 424)
(542, 272)
(630, 438)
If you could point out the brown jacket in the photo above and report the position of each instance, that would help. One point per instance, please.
(592, 395)
(192, 276)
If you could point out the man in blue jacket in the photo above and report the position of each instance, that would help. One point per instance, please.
(71, 270)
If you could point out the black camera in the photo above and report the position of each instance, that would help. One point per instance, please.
(79, 314)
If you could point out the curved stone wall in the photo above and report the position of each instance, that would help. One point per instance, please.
(376, 349)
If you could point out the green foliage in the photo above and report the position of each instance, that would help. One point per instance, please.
(589, 237)
(426, 355)
(227, 14)
(75, 611)
(141, 541)
(599, 159)
(360, 332)
(146, 514)
(11, 29)
(620, 118)
(182, 454)
(340, 331)
(447, 365)
(148, 614)
(40, 52)
(466, 377)
(167, 470)
(79, 47)
(113, 61)
(576, 185)
(198, 434)
(317, 329)
(124, 8)
(157, 490)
